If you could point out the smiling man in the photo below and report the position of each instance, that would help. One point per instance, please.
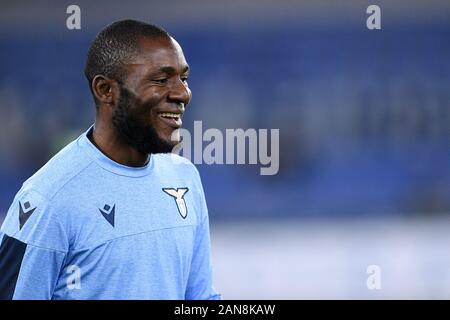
(114, 215)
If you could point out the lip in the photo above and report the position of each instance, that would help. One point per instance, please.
(175, 124)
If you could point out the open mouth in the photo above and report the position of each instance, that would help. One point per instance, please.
(172, 119)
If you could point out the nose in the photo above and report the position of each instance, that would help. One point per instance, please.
(180, 92)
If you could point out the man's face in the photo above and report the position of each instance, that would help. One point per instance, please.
(153, 96)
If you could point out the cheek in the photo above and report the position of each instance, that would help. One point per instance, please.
(147, 106)
(150, 97)
(155, 121)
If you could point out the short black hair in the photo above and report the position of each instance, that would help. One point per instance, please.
(116, 44)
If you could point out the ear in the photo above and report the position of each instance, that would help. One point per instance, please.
(105, 90)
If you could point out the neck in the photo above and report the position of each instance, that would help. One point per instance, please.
(106, 139)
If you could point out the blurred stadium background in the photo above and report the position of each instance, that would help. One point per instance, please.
(364, 119)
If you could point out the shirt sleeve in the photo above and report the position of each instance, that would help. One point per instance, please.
(32, 250)
(200, 282)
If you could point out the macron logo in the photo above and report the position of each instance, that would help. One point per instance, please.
(108, 213)
(24, 213)
(178, 195)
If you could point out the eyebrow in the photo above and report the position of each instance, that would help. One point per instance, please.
(172, 70)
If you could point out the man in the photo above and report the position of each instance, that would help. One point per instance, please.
(114, 215)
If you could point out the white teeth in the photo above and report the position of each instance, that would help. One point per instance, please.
(170, 115)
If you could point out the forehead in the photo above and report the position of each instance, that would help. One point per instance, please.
(155, 53)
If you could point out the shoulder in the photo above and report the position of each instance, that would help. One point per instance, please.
(31, 220)
(33, 216)
(66, 165)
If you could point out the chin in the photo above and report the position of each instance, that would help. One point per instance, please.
(172, 144)
(172, 139)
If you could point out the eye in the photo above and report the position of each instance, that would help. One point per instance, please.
(160, 81)
(184, 79)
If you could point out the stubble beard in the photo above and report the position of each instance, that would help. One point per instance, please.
(134, 131)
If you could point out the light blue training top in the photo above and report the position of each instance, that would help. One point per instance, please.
(86, 227)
